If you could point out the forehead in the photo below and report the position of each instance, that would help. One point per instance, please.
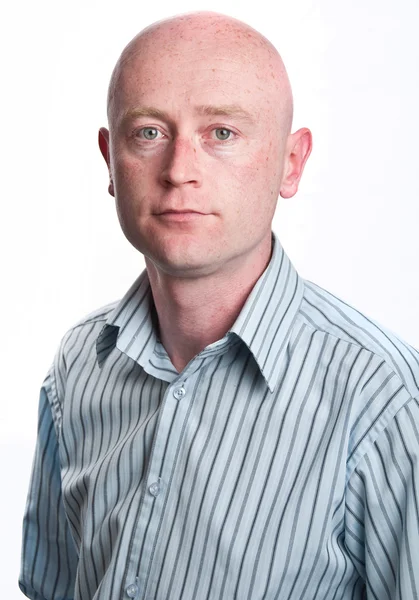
(177, 71)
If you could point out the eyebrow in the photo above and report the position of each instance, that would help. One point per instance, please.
(225, 110)
(206, 110)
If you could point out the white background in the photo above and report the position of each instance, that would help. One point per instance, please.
(352, 228)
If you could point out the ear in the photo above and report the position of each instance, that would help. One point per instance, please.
(298, 150)
(104, 148)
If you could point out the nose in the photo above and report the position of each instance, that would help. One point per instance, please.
(181, 164)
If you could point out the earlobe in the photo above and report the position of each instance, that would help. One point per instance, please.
(298, 150)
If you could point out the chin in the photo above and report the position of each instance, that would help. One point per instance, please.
(181, 264)
(184, 268)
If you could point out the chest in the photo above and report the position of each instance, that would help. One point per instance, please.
(211, 485)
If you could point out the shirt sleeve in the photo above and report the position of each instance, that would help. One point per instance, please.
(382, 513)
(49, 557)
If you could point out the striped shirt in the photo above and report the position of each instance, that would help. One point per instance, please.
(280, 464)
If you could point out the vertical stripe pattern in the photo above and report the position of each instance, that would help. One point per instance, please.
(281, 464)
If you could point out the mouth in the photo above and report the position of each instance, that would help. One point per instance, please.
(181, 216)
(185, 211)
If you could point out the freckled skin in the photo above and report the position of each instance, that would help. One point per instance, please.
(174, 66)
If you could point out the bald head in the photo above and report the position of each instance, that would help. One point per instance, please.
(200, 114)
(215, 37)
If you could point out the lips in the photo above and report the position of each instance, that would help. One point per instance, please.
(180, 212)
(181, 216)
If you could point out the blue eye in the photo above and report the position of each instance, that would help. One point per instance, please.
(222, 133)
(149, 133)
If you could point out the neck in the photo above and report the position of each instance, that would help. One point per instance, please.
(195, 312)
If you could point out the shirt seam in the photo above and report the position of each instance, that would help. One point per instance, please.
(342, 339)
(391, 421)
(362, 347)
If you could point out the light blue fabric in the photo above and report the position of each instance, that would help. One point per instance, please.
(282, 463)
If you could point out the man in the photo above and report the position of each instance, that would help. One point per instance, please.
(227, 430)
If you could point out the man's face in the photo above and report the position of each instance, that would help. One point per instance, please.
(196, 128)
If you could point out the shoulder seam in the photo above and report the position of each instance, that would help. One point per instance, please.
(342, 339)
(93, 318)
(98, 319)
(391, 421)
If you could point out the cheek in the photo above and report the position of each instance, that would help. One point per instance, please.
(128, 171)
(136, 179)
(258, 191)
(131, 184)
(269, 160)
(260, 177)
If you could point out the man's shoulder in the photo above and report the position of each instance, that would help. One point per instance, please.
(100, 315)
(326, 312)
(86, 329)
(77, 346)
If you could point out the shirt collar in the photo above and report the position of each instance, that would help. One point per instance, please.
(264, 323)
(266, 319)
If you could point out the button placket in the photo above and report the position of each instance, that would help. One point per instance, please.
(149, 518)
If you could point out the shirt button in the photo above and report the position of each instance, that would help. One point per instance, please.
(132, 590)
(179, 393)
(154, 489)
